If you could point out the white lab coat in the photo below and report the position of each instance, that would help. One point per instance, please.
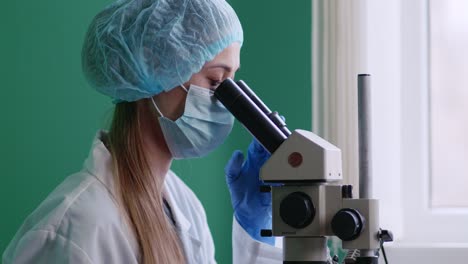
(80, 222)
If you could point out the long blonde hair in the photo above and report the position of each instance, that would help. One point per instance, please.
(141, 193)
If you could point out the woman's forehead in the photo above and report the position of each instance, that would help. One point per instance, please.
(228, 59)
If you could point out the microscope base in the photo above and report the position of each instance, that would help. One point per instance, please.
(305, 262)
(367, 260)
(310, 250)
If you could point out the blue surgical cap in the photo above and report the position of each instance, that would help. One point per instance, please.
(136, 49)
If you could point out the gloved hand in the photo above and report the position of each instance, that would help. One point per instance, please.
(252, 208)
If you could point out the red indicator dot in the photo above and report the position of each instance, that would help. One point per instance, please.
(295, 159)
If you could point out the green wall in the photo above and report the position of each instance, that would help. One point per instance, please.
(49, 115)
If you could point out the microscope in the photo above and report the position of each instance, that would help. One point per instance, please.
(303, 176)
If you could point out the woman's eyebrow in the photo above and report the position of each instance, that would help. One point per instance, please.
(222, 65)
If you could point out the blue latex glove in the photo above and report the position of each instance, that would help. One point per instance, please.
(252, 208)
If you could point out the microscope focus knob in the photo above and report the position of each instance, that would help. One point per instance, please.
(297, 210)
(347, 224)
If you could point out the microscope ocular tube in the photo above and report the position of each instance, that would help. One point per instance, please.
(274, 116)
(250, 115)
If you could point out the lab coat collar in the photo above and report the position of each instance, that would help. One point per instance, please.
(181, 222)
(99, 164)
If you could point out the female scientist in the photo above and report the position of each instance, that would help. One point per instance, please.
(159, 60)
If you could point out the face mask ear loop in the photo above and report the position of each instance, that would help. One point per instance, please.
(183, 87)
(156, 107)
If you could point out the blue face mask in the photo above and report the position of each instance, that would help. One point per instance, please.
(204, 126)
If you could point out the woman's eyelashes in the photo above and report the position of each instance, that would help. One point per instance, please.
(215, 82)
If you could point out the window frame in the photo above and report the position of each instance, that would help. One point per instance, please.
(422, 222)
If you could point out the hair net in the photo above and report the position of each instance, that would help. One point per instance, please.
(138, 48)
